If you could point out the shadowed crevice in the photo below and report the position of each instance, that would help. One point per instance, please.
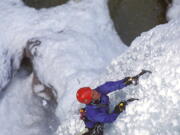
(26, 67)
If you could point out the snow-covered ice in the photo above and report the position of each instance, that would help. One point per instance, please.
(21, 112)
(77, 43)
(157, 112)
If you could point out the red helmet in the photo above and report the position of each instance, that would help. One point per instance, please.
(84, 95)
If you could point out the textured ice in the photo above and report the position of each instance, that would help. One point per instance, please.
(6, 68)
(77, 42)
(20, 112)
(157, 111)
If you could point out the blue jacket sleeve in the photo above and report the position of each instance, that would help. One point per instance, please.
(111, 86)
(104, 117)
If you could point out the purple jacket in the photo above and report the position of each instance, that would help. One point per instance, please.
(100, 113)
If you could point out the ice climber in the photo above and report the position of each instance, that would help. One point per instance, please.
(96, 111)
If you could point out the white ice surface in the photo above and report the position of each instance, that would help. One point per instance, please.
(20, 23)
(78, 42)
(20, 111)
(78, 53)
(5, 68)
(174, 12)
(157, 112)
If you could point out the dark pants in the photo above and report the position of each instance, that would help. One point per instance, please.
(96, 130)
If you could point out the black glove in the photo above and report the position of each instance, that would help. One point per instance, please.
(130, 80)
(120, 107)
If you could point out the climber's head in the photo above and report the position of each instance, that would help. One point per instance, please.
(86, 95)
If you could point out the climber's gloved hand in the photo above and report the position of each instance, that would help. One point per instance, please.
(130, 80)
(120, 107)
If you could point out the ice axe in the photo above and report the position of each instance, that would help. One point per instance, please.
(135, 78)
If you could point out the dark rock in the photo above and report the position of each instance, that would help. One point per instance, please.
(38, 4)
(132, 17)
